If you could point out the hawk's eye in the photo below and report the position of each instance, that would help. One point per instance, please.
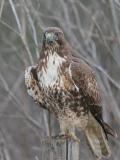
(57, 34)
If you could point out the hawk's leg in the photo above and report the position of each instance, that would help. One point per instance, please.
(69, 135)
(67, 132)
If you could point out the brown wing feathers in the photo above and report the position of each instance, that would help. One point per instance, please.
(86, 81)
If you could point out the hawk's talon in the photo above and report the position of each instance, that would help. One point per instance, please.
(70, 136)
(73, 137)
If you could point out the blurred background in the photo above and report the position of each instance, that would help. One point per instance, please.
(92, 27)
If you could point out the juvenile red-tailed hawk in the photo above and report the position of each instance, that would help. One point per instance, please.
(66, 86)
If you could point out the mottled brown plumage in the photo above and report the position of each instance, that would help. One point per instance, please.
(66, 86)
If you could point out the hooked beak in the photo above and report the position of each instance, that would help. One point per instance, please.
(50, 38)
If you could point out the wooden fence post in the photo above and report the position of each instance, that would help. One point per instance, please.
(73, 151)
(59, 150)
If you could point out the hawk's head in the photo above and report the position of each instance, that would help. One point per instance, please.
(53, 36)
(54, 44)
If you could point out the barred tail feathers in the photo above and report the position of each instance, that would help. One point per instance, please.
(97, 138)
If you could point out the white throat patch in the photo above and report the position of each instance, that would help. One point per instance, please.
(48, 77)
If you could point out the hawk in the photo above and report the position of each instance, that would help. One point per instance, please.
(65, 85)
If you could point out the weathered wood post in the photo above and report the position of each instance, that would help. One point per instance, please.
(73, 151)
(59, 149)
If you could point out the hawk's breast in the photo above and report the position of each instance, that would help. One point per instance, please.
(50, 74)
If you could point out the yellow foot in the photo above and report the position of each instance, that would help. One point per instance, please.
(67, 136)
(73, 137)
